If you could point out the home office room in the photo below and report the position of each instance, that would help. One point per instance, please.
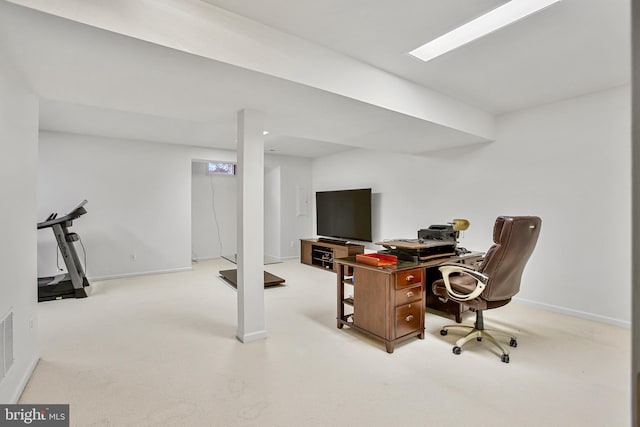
(499, 169)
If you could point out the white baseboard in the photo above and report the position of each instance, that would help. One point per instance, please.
(204, 258)
(139, 273)
(576, 313)
(24, 380)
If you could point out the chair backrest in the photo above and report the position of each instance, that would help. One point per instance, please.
(514, 239)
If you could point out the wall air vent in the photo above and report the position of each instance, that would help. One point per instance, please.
(6, 344)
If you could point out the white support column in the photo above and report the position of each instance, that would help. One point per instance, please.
(251, 324)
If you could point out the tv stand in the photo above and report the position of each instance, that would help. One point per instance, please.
(321, 253)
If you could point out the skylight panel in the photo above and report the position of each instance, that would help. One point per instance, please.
(497, 18)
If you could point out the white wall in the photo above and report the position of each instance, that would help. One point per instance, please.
(567, 162)
(139, 197)
(272, 217)
(283, 226)
(213, 213)
(295, 177)
(140, 200)
(18, 286)
(635, 304)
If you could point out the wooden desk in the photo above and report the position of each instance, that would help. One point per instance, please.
(388, 303)
(417, 244)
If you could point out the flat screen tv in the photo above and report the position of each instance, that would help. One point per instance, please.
(344, 214)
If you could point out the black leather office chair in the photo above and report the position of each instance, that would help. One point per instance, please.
(495, 281)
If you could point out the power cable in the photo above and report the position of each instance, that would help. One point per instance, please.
(215, 216)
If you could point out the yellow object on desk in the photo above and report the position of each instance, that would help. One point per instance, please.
(460, 224)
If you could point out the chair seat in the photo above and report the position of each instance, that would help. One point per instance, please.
(465, 284)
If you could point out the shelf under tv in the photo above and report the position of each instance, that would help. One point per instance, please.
(321, 254)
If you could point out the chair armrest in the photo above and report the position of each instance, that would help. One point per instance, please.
(481, 280)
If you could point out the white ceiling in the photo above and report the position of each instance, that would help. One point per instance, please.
(97, 82)
(570, 48)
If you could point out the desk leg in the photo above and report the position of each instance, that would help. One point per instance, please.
(390, 347)
(340, 283)
(423, 313)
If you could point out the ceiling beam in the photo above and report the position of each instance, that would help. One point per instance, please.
(202, 29)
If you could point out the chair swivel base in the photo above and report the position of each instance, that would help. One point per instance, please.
(479, 335)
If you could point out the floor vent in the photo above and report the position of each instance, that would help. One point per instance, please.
(6, 345)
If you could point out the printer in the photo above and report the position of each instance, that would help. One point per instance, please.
(433, 242)
(438, 232)
(445, 233)
(448, 232)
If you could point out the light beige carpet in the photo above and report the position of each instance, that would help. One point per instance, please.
(161, 351)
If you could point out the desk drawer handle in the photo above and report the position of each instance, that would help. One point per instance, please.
(410, 278)
(409, 294)
(409, 318)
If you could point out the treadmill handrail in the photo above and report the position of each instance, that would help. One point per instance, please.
(77, 212)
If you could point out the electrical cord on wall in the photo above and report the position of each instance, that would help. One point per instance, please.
(215, 216)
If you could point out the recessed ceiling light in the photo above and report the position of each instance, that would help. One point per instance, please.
(499, 17)
(265, 132)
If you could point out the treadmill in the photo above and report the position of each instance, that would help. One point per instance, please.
(72, 283)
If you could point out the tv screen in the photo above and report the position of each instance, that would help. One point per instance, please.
(344, 214)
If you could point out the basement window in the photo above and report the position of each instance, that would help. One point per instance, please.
(221, 168)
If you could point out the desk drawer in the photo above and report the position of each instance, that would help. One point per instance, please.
(408, 318)
(408, 278)
(407, 295)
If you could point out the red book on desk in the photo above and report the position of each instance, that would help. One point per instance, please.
(378, 260)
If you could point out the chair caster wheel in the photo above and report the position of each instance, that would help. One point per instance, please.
(443, 332)
(456, 350)
(513, 342)
(505, 358)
